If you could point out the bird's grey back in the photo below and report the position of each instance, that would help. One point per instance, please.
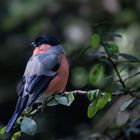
(42, 64)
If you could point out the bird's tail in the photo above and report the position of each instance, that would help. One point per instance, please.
(21, 105)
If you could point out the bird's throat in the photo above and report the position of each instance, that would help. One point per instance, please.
(41, 49)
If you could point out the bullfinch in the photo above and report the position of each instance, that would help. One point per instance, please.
(46, 74)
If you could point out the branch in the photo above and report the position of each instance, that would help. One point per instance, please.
(75, 92)
(114, 66)
(117, 72)
(82, 92)
(115, 93)
(42, 105)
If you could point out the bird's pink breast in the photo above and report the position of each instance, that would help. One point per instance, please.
(58, 84)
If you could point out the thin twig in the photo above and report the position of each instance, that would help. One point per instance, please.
(117, 72)
(127, 61)
(123, 68)
(131, 76)
(75, 92)
(130, 92)
(82, 92)
(114, 66)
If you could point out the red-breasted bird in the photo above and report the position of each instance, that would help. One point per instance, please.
(46, 74)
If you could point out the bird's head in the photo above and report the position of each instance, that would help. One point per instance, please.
(44, 43)
(44, 39)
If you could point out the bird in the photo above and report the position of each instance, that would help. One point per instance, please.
(46, 74)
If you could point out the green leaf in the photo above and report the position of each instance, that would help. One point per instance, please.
(103, 100)
(98, 104)
(112, 50)
(92, 110)
(70, 97)
(93, 94)
(53, 102)
(95, 41)
(28, 126)
(62, 99)
(16, 135)
(90, 95)
(96, 75)
(2, 131)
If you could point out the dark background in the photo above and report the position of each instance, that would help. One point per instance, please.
(72, 22)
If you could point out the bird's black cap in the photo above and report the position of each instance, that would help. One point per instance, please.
(44, 39)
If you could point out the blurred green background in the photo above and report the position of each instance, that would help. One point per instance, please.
(72, 22)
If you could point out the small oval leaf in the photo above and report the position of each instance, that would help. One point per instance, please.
(62, 99)
(16, 135)
(2, 131)
(95, 41)
(112, 49)
(90, 95)
(93, 94)
(70, 97)
(52, 103)
(96, 75)
(28, 126)
(103, 100)
(92, 110)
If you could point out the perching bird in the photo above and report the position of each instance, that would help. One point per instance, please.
(46, 74)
